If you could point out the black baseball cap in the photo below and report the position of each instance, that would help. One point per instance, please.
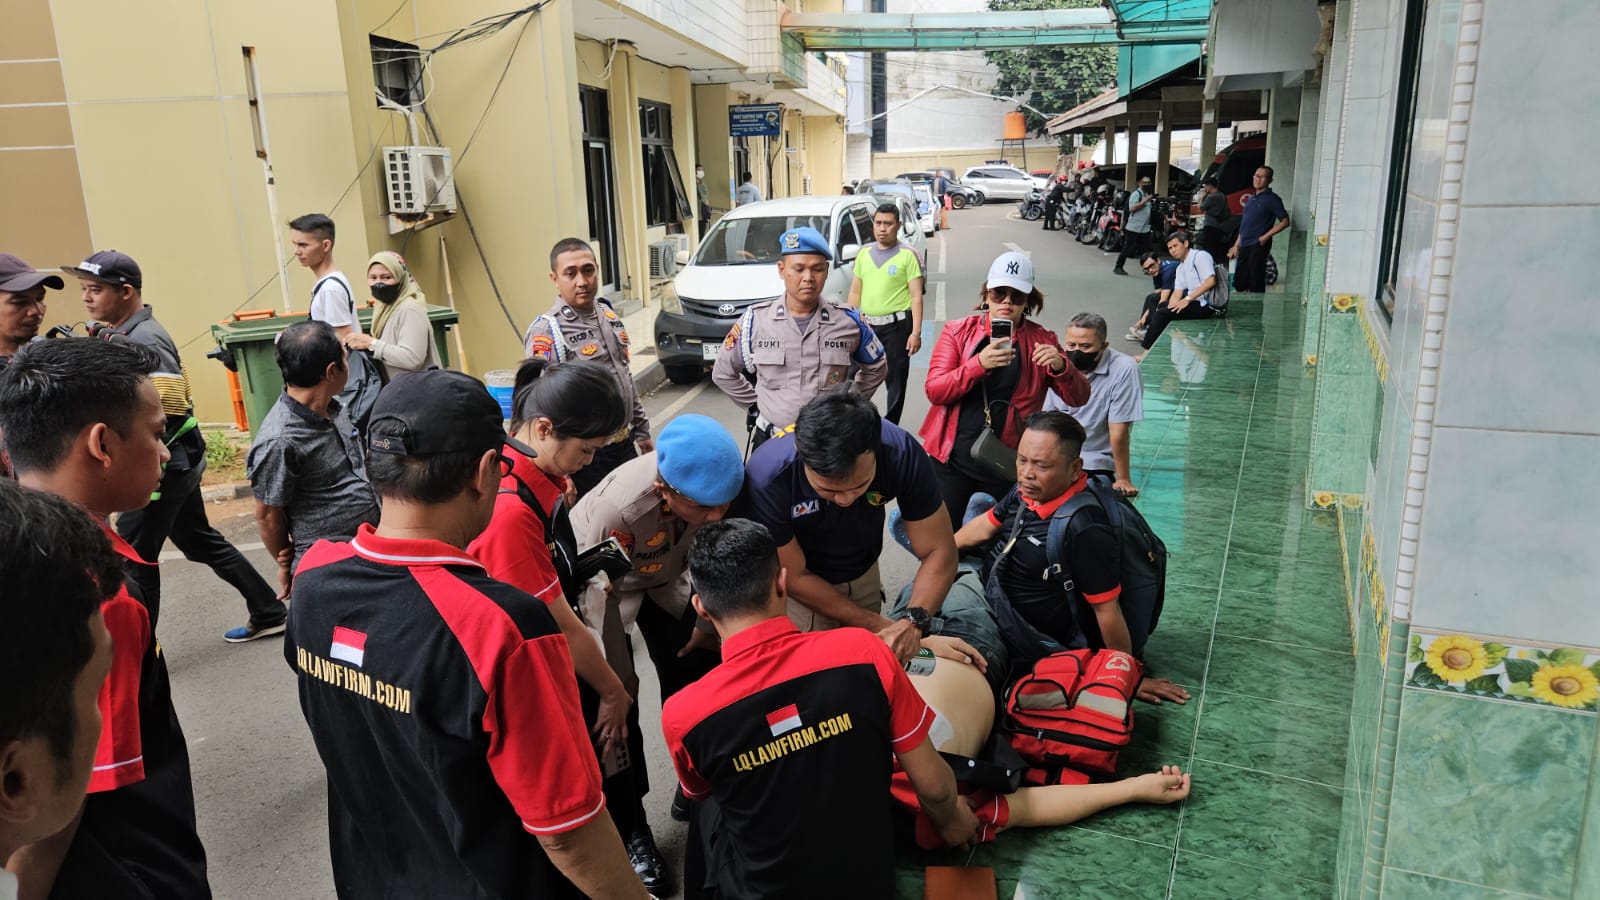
(16, 276)
(439, 411)
(110, 267)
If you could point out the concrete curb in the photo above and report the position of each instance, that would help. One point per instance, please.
(649, 378)
(221, 493)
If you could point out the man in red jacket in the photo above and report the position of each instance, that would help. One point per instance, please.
(977, 383)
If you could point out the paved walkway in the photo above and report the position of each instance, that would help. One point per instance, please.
(1254, 626)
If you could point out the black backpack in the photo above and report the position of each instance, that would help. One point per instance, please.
(1144, 561)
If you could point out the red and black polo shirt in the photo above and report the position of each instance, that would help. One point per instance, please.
(1092, 557)
(445, 709)
(792, 739)
(137, 836)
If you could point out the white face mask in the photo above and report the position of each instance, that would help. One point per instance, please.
(699, 174)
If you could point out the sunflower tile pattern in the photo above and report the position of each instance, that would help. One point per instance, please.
(1256, 627)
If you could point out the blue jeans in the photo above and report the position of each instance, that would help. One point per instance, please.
(966, 615)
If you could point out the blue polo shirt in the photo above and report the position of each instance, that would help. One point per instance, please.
(1261, 213)
(1166, 278)
(840, 542)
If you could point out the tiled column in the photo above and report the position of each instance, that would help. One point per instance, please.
(1482, 779)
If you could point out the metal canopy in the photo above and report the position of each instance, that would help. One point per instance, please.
(995, 30)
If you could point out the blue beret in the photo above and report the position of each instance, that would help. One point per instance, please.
(699, 459)
(804, 239)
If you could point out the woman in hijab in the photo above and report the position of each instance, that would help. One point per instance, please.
(402, 337)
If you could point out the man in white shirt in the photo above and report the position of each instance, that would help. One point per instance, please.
(58, 567)
(332, 299)
(747, 192)
(1191, 294)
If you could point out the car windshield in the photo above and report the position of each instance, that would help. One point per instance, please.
(894, 187)
(754, 239)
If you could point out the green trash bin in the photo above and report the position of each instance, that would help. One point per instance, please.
(250, 338)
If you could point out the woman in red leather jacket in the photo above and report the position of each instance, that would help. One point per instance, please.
(965, 366)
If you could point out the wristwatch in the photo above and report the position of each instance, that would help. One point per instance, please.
(918, 617)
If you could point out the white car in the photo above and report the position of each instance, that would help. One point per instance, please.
(737, 265)
(927, 208)
(1002, 182)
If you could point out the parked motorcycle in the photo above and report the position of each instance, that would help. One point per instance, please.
(1111, 223)
(1080, 216)
(1031, 207)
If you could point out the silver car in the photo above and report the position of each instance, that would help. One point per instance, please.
(1001, 182)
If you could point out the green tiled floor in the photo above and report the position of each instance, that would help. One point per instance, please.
(1254, 626)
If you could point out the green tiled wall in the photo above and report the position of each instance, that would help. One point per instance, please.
(1347, 405)
(1313, 278)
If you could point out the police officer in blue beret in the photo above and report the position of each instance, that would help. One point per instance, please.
(782, 353)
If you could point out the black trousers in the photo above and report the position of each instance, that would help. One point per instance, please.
(606, 460)
(1134, 244)
(1252, 273)
(663, 637)
(1211, 242)
(894, 337)
(1150, 301)
(1162, 314)
(957, 487)
(181, 515)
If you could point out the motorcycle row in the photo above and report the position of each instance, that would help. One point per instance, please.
(1095, 214)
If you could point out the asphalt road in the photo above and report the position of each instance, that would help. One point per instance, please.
(259, 785)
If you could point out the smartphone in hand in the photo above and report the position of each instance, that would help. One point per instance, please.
(1000, 331)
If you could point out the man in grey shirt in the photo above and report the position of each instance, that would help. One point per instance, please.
(306, 466)
(1136, 233)
(1116, 400)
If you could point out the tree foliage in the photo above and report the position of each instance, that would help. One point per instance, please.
(1053, 79)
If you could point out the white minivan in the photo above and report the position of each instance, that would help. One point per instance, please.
(737, 265)
(1002, 182)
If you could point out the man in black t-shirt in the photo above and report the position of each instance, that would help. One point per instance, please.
(1016, 530)
(822, 492)
(789, 744)
(442, 701)
(1049, 473)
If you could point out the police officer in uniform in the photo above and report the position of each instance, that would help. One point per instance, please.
(582, 327)
(793, 348)
(654, 506)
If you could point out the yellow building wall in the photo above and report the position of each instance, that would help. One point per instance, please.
(520, 177)
(713, 147)
(45, 221)
(825, 154)
(167, 158)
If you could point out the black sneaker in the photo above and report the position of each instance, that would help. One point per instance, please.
(682, 809)
(647, 861)
(1117, 271)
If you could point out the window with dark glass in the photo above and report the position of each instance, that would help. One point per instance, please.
(1405, 126)
(396, 71)
(665, 200)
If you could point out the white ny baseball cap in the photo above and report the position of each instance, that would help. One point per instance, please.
(1012, 270)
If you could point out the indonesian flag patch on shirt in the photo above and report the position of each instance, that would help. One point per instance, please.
(785, 719)
(348, 646)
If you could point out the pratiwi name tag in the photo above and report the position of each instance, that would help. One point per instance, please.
(959, 883)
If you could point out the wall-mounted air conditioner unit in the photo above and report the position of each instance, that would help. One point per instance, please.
(419, 180)
(663, 260)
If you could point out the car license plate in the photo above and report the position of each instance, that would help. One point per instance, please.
(708, 351)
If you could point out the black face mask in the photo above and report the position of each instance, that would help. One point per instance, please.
(384, 293)
(1083, 360)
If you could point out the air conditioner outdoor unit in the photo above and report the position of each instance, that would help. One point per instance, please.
(685, 244)
(419, 180)
(663, 260)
